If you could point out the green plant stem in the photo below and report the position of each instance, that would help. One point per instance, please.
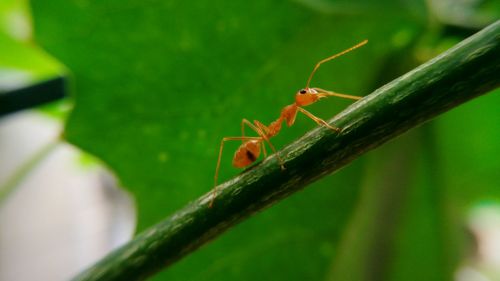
(466, 71)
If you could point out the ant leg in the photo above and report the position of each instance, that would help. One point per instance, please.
(260, 132)
(282, 164)
(319, 121)
(264, 149)
(263, 146)
(325, 93)
(214, 190)
(243, 122)
(263, 128)
(259, 128)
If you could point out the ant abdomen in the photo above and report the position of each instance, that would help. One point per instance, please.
(246, 154)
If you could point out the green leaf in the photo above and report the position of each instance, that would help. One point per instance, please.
(162, 91)
(28, 76)
(159, 83)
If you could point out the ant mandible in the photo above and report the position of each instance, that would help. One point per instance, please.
(250, 149)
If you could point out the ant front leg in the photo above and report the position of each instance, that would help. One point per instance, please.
(319, 121)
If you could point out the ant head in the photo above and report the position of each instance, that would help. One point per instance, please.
(306, 96)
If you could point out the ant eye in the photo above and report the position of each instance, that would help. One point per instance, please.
(303, 91)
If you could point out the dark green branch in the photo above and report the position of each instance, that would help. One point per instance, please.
(468, 70)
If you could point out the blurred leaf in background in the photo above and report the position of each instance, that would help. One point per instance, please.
(157, 84)
(28, 76)
(44, 182)
(16, 20)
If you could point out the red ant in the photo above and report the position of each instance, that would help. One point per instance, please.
(250, 149)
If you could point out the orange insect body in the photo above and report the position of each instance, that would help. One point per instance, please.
(249, 151)
(246, 154)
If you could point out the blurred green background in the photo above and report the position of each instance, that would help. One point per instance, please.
(157, 84)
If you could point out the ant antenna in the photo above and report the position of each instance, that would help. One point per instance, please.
(333, 57)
